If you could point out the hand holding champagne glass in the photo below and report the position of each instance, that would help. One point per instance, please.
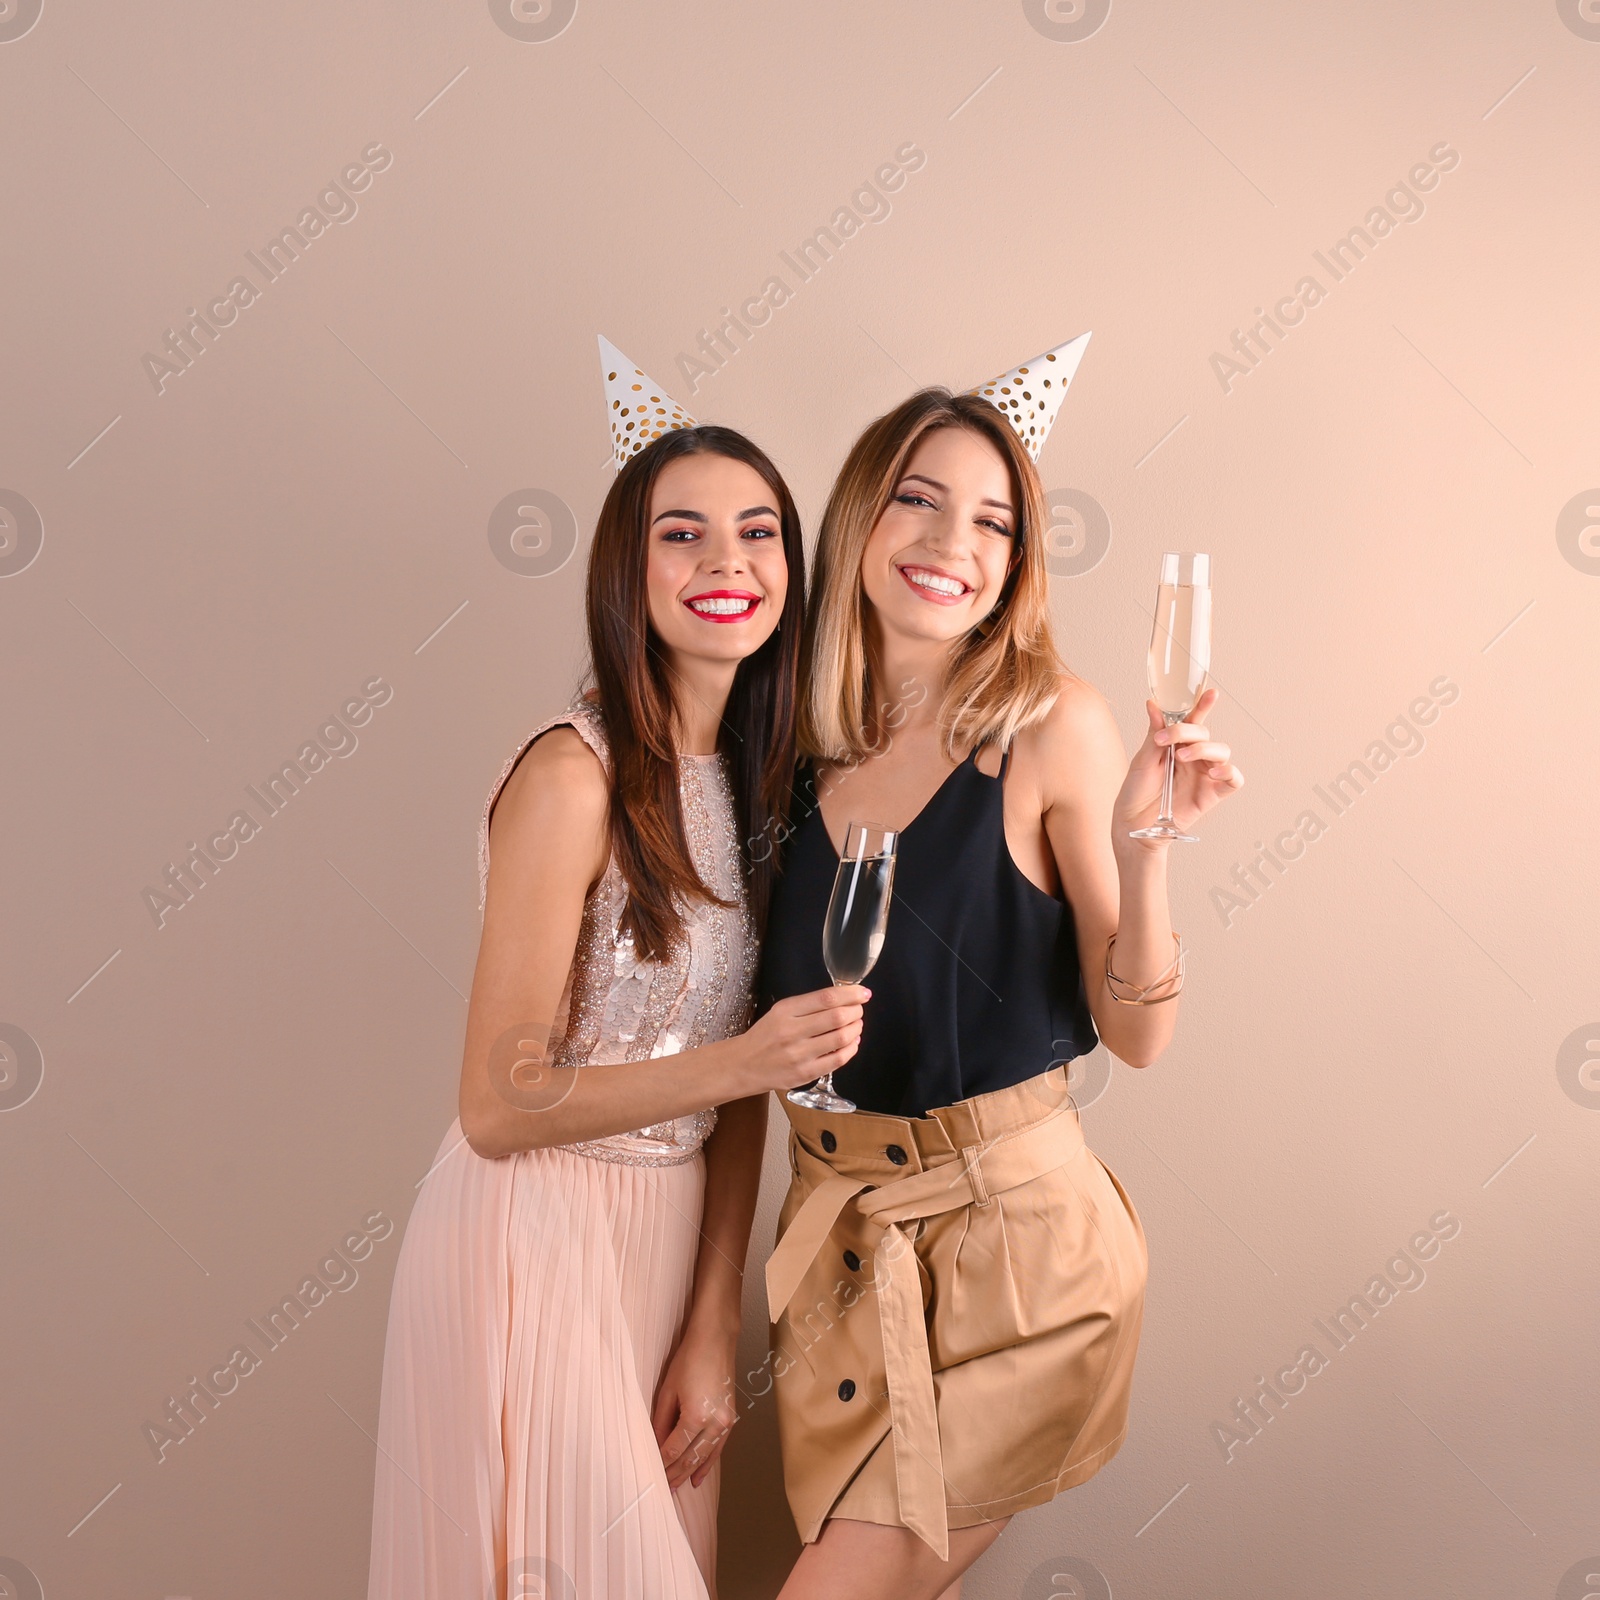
(1179, 662)
(852, 934)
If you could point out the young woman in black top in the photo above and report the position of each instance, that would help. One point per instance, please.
(958, 1284)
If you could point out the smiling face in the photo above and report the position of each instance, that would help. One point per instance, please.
(716, 575)
(940, 552)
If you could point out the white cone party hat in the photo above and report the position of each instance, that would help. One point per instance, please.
(639, 408)
(1029, 396)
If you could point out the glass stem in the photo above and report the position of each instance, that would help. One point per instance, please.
(1166, 788)
(826, 1080)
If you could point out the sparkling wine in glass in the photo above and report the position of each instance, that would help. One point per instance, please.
(1179, 662)
(852, 935)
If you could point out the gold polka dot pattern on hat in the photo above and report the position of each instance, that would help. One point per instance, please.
(640, 409)
(1029, 396)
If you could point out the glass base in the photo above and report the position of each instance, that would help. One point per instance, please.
(820, 1097)
(1164, 828)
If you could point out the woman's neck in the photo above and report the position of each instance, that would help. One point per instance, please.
(700, 691)
(908, 677)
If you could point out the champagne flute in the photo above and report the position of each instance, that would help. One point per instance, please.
(1179, 662)
(852, 935)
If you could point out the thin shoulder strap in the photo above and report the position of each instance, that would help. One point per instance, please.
(584, 718)
(1005, 758)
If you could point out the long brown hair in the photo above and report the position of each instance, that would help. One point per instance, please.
(1004, 675)
(631, 671)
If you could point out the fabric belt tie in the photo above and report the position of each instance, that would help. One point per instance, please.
(969, 1176)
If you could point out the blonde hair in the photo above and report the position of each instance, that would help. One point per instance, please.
(1003, 677)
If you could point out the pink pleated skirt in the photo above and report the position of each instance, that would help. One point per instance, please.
(536, 1301)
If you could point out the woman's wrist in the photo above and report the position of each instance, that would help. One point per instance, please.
(734, 1069)
(714, 1318)
(1141, 859)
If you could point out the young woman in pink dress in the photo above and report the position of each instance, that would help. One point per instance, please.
(558, 1376)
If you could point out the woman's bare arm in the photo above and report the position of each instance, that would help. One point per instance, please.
(733, 1180)
(697, 1401)
(549, 846)
(1115, 886)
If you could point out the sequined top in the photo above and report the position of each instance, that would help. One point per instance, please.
(615, 1007)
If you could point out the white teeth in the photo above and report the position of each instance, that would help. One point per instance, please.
(931, 580)
(720, 607)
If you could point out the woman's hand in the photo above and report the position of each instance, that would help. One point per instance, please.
(1201, 775)
(805, 1036)
(695, 1409)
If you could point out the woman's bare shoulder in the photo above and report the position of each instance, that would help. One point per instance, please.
(558, 793)
(1079, 715)
(1076, 742)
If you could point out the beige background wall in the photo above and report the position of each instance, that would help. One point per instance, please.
(1402, 1023)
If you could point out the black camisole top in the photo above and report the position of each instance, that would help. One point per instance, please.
(977, 986)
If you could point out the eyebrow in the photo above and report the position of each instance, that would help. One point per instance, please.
(933, 483)
(700, 516)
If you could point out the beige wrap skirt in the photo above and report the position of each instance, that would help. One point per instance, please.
(956, 1303)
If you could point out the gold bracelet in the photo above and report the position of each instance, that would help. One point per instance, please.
(1143, 994)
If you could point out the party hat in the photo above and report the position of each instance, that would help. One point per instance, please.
(640, 409)
(1029, 396)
